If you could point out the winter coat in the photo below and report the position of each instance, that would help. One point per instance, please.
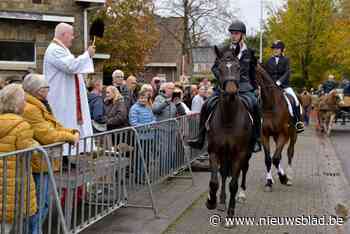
(15, 134)
(96, 107)
(47, 130)
(116, 114)
(162, 108)
(140, 114)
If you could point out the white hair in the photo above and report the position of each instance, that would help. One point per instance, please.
(11, 98)
(62, 28)
(166, 85)
(33, 82)
(117, 73)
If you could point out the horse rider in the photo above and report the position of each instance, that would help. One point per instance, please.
(278, 68)
(329, 84)
(247, 85)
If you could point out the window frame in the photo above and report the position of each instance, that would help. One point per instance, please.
(19, 65)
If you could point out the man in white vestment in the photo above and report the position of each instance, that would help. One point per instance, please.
(68, 95)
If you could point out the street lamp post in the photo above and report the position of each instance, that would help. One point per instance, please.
(261, 29)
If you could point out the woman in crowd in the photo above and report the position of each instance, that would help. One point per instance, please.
(148, 88)
(141, 113)
(15, 134)
(47, 130)
(115, 109)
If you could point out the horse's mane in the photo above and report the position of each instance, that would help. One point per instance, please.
(261, 70)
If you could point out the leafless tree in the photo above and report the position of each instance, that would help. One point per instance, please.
(203, 20)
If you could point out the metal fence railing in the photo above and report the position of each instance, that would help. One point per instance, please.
(103, 173)
(26, 197)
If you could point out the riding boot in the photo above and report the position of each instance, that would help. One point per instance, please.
(198, 142)
(257, 130)
(299, 125)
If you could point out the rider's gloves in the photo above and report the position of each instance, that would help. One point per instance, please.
(278, 83)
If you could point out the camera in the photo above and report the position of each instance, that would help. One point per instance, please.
(176, 95)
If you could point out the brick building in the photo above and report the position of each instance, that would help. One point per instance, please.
(27, 27)
(166, 58)
(203, 60)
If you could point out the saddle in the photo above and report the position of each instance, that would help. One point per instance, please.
(213, 101)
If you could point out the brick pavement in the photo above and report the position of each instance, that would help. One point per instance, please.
(318, 185)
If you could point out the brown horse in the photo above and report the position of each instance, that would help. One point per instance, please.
(229, 136)
(276, 124)
(326, 111)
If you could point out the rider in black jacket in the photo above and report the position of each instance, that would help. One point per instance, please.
(278, 68)
(247, 85)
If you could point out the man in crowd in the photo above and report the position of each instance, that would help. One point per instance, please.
(199, 99)
(120, 84)
(47, 130)
(329, 84)
(96, 106)
(306, 102)
(163, 107)
(68, 95)
(131, 83)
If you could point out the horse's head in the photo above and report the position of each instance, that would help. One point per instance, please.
(229, 71)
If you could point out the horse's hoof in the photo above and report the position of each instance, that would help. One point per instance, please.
(211, 205)
(221, 207)
(283, 178)
(268, 186)
(241, 198)
(289, 173)
(268, 189)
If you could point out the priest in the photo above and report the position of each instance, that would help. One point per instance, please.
(68, 95)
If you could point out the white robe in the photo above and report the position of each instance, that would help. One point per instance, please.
(59, 69)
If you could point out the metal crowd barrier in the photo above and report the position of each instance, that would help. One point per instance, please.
(105, 172)
(23, 200)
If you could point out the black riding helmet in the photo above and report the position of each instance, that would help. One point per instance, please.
(278, 45)
(237, 26)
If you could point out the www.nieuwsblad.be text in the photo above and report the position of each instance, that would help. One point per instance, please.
(303, 220)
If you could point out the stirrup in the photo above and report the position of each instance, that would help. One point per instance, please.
(299, 126)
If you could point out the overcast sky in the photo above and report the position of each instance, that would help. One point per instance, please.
(250, 11)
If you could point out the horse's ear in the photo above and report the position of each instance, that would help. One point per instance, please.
(217, 52)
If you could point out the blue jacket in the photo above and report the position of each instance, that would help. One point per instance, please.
(96, 106)
(140, 114)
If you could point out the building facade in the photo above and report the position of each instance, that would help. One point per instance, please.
(166, 58)
(203, 60)
(27, 28)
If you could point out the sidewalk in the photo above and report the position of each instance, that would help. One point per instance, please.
(172, 197)
(318, 186)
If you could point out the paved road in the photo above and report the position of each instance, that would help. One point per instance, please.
(319, 185)
(340, 138)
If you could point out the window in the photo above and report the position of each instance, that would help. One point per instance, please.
(37, 1)
(13, 51)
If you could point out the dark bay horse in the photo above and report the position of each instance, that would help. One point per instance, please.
(276, 124)
(229, 136)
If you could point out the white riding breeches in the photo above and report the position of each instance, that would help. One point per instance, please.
(290, 91)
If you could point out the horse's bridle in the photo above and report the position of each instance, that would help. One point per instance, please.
(229, 64)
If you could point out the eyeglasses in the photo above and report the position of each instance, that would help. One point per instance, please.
(45, 87)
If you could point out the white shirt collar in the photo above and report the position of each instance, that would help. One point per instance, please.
(243, 48)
